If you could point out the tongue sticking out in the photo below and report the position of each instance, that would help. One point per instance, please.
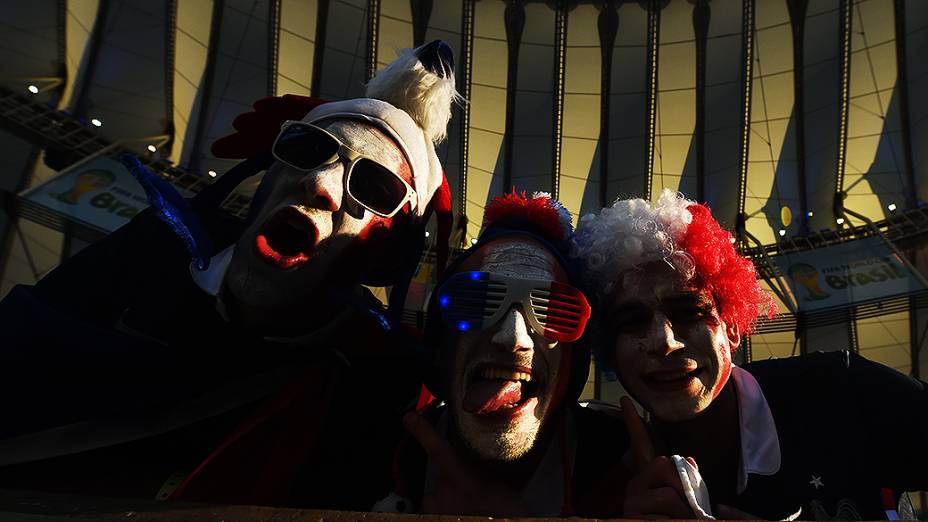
(489, 396)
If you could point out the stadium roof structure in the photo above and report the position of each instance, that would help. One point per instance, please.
(780, 114)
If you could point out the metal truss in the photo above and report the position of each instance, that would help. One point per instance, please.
(74, 140)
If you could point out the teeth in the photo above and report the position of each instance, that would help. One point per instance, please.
(670, 376)
(505, 374)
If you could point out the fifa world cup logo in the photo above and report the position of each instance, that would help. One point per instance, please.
(89, 181)
(806, 275)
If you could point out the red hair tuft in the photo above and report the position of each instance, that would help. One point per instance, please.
(541, 211)
(728, 276)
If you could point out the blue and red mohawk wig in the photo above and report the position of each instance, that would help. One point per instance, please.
(539, 217)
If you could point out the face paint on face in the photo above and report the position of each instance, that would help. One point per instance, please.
(505, 379)
(672, 351)
(309, 231)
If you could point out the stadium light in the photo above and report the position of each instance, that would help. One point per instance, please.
(840, 220)
(212, 174)
(782, 232)
(33, 89)
(892, 207)
(96, 122)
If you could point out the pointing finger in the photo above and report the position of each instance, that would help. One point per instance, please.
(638, 435)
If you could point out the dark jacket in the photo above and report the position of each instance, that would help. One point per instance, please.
(598, 475)
(117, 373)
(847, 428)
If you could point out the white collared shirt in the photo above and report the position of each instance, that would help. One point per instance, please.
(760, 445)
(210, 280)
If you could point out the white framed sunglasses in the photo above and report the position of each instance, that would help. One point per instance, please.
(305, 147)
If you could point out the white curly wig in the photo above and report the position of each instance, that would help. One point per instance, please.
(630, 234)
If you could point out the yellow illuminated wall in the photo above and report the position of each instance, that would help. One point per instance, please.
(579, 167)
(676, 101)
(395, 32)
(875, 162)
(296, 46)
(885, 339)
(80, 19)
(487, 111)
(628, 104)
(533, 150)
(772, 180)
(194, 19)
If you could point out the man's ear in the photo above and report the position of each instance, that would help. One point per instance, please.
(734, 335)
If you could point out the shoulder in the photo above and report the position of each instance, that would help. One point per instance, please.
(817, 366)
(599, 419)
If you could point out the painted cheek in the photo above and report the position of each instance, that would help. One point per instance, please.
(724, 369)
(563, 379)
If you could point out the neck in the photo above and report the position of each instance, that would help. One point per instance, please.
(709, 438)
(289, 320)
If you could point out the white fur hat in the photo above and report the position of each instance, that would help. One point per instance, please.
(410, 100)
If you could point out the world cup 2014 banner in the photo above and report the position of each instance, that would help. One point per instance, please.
(100, 193)
(846, 273)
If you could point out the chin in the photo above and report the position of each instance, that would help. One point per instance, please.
(502, 444)
(675, 409)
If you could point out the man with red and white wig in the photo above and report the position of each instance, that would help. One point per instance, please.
(501, 330)
(825, 435)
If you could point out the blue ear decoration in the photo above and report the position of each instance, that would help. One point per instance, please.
(173, 209)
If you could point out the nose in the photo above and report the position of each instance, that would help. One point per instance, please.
(664, 340)
(323, 187)
(512, 333)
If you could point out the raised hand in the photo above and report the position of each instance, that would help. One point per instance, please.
(459, 490)
(655, 491)
(255, 131)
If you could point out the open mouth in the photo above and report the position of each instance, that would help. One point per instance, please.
(672, 380)
(499, 389)
(287, 239)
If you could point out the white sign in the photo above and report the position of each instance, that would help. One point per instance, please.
(101, 193)
(846, 273)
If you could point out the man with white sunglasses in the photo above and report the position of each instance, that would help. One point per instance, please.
(236, 377)
(509, 438)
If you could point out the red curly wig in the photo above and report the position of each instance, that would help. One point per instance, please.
(728, 276)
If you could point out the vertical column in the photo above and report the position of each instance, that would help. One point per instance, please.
(206, 87)
(373, 28)
(560, 63)
(654, 20)
(322, 19)
(170, 49)
(421, 12)
(467, 61)
(797, 16)
(701, 15)
(608, 24)
(902, 90)
(515, 23)
(747, 79)
(273, 45)
(844, 90)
